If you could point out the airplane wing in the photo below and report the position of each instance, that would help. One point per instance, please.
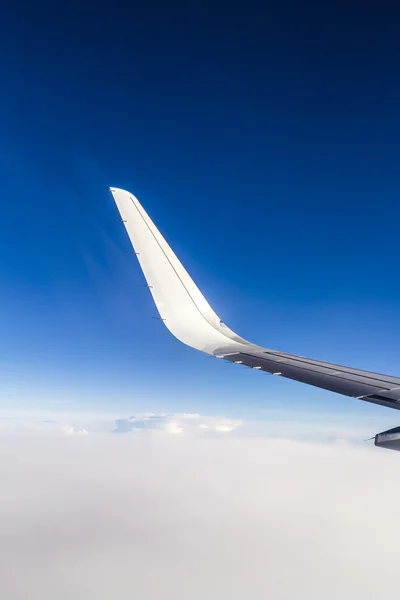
(190, 318)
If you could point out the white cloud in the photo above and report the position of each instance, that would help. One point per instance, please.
(69, 430)
(173, 427)
(187, 516)
(225, 428)
(324, 427)
(177, 423)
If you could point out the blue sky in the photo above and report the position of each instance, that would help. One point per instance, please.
(264, 143)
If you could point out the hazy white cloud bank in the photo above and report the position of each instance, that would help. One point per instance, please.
(177, 423)
(195, 517)
(303, 426)
(188, 424)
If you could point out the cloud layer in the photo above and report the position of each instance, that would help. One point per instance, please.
(178, 517)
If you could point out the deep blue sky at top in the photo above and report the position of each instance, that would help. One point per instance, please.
(263, 139)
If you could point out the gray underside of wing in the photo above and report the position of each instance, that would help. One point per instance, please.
(190, 318)
(365, 385)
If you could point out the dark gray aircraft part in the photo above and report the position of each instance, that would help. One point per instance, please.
(190, 318)
(389, 439)
(364, 385)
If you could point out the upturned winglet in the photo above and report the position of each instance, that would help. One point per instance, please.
(182, 307)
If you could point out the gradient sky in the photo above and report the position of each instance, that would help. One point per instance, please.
(264, 143)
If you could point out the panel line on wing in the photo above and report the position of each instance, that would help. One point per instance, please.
(338, 369)
(321, 373)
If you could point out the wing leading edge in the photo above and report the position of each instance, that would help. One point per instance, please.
(190, 318)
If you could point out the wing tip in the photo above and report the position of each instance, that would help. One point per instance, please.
(115, 189)
(121, 194)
